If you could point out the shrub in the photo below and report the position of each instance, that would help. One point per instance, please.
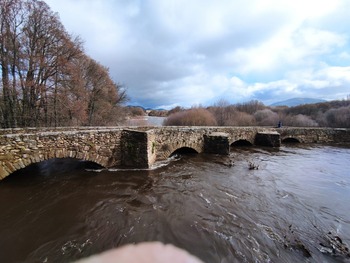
(238, 118)
(338, 117)
(136, 111)
(192, 117)
(230, 116)
(299, 120)
(266, 117)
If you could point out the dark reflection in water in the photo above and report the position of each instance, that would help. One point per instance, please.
(294, 208)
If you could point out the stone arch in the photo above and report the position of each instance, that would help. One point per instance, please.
(290, 140)
(241, 142)
(85, 156)
(184, 150)
(168, 149)
(11, 166)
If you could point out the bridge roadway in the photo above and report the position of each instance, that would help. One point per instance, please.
(140, 147)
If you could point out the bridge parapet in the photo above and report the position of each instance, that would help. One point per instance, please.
(33, 130)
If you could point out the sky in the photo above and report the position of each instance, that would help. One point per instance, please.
(199, 52)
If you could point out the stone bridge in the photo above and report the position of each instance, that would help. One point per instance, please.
(140, 147)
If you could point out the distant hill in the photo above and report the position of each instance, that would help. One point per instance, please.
(297, 101)
(137, 106)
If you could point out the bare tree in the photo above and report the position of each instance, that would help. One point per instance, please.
(221, 112)
(11, 22)
(103, 95)
(338, 117)
(45, 77)
(250, 107)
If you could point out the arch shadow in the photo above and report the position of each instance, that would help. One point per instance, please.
(59, 154)
(52, 166)
(184, 151)
(241, 143)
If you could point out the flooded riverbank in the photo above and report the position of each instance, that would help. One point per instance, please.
(293, 208)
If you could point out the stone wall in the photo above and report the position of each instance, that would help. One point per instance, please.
(217, 143)
(140, 147)
(169, 139)
(137, 149)
(241, 133)
(341, 135)
(315, 135)
(20, 150)
(268, 139)
(31, 130)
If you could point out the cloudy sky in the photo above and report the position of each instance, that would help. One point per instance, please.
(190, 52)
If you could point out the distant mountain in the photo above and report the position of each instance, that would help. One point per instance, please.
(297, 101)
(158, 109)
(137, 106)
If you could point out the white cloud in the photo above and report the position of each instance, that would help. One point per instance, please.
(288, 49)
(344, 56)
(314, 42)
(338, 78)
(192, 52)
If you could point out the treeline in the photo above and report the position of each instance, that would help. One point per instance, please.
(46, 78)
(255, 113)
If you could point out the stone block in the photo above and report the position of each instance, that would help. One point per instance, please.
(3, 173)
(5, 157)
(269, 139)
(152, 147)
(10, 167)
(134, 148)
(217, 143)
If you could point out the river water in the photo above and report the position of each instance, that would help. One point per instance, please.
(294, 208)
(145, 121)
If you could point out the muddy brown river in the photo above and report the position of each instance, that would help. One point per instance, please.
(295, 207)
